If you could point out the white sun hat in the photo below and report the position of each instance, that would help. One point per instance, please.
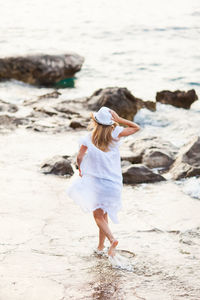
(103, 116)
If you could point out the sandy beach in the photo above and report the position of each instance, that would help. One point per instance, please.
(47, 243)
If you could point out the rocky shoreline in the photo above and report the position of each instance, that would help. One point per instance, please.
(146, 160)
(47, 242)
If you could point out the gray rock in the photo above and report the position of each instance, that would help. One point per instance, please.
(48, 127)
(64, 108)
(119, 99)
(154, 152)
(10, 122)
(128, 155)
(58, 165)
(132, 158)
(125, 163)
(53, 95)
(156, 159)
(42, 70)
(8, 107)
(178, 98)
(139, 174)
(187, 163)
(152, 142)
(47, 110)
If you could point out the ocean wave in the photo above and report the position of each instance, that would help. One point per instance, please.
(176, 78)
(168, 28)
(147, 118)
(194, 83)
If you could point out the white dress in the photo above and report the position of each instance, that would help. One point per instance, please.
(101, 182)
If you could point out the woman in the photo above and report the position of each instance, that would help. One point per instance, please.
(99, 187)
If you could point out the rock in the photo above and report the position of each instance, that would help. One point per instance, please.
(74, 110)
(119, 99)
(8, 122)
(125, 163)
(154, 152)
(8, 107)
(139, 174)
(48, 124)
(45, 110)
(146, 104)
(127, 154)
(132, 158)
(53, 95)
(187, 163)
(76, 124)
(183, 170)
(65, 109)
(20, 121)
(156, 159)
(58, 165)
(42, 70)
(177, 98)
(42, 128)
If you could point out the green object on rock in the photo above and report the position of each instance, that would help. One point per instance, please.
(66, 83)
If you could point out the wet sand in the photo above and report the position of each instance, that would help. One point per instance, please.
(47, 242)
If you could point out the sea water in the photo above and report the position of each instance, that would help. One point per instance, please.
(146, 46)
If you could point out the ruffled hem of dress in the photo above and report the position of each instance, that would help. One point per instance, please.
(84, 194)
(112, 215)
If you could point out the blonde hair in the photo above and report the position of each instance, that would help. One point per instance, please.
(101, 134)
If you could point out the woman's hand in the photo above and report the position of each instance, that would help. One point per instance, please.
(132, 127)
(115, 116)
(80, 156)
(80, 172)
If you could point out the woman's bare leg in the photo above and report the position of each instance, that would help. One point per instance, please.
(103, 225)
(102, 236)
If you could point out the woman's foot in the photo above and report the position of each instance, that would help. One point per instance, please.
(111, 251)
(100, 248)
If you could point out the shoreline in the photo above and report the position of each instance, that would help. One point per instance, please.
(47, 243)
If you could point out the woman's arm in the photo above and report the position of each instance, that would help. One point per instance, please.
(80, 156)
(132, 127)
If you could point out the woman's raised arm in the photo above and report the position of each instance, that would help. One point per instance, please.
(132, 127)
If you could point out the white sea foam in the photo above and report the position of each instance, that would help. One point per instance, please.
(146, 117)
(176, 125)
(191, 187)
(121, 262)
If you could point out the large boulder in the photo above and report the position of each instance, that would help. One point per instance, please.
(42, 70)
(154, 152)
(119, 99)
(133, 174)
(177, 98)
(187, 163)
(58, 165)
(154, 158)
